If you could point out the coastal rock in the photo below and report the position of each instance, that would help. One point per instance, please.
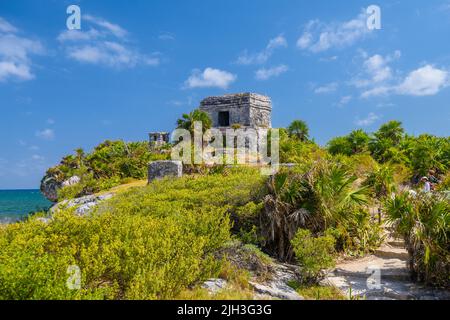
(82, 205)
(49, 187)
(71, 181)
(161, 169)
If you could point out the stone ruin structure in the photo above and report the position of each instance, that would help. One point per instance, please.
(158, 139)
(245, 110)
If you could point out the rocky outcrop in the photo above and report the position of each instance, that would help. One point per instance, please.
(82, 205)
(278, 287)
(50, 185)
(71, 181)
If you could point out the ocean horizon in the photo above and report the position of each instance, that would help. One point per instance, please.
(16, 204)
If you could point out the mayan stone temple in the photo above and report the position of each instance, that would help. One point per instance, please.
(246, 110)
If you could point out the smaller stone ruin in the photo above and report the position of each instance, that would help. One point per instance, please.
(158, 139)
(162, 169)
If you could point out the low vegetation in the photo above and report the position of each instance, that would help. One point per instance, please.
(162, 241)
(110, 164)
(424, 222)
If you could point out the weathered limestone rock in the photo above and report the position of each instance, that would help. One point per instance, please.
(49, 188)
(71, 181)
(215, 285)
(244, 109)
(161, 169)
(83, 205)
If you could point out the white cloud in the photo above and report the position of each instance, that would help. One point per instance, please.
(424, 81)
(103, 43)
(166, 36)
(210, 78)
(114, 29)
(78, 35)
(111, 54)
(37, 157)
(328, 88)
(320, 37)
(15, 52)
(376, 70)
(6, 27)
(345, 100)
(264, 55)
(265, 74)
(369, 120)
(46, 134)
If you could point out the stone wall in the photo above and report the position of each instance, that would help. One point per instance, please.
(246, 109)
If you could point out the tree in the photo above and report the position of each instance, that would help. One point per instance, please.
(385, 143)
(80, 155)
(392, 131)
(187, 120)
(299, 129)
(359, 141)
(339, 145)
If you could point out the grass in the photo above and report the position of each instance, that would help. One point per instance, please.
(317, 292)
(124, 187)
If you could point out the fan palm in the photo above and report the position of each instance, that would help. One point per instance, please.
(188, 120)
(299, 129)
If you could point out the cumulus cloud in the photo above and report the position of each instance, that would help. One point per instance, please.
(267, 73)
(345, 100)
(263, 56)
(15, 52)
(376, 70)
(328, 88)
(210, 78)
(46, 134)
(114, 29)
(367, 121)
(319, 36)
(103, 43)
(379, 79)
(424, 81)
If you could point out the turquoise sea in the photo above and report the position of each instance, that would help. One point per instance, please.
(17, 204)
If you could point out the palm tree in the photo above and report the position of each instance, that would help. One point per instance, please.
(299, 129)
(323, 197)
(187, 120)
(392, 131)
(80, 155)
(359, 141)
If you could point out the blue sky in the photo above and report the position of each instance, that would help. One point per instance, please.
(136, 66)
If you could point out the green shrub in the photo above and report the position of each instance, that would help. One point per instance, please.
(147, 243)
(313, 255)
(424, 223)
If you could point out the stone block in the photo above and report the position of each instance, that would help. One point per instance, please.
(162, 169)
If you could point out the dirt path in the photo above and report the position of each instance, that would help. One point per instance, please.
(381, 276)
